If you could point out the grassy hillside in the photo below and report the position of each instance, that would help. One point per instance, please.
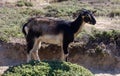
(103, 7)
(12, 18)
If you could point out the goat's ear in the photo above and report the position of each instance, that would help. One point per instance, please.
(83, 11)
(94, 11)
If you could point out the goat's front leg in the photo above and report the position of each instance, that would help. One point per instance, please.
(64, 52)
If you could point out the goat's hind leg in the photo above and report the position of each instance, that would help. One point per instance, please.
(36, 47)
(32, 48)
(30, 43)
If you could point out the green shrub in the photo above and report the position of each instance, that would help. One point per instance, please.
(20, 3)
(24, 3)
(29, 4)
(31, 12)
(115, 12)
(105, 36)
(47, 68)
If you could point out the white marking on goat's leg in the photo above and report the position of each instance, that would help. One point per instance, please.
(62, 54)
(28, 57)
(66, 56)
(34, 51)
(35, 55)
(39, 46)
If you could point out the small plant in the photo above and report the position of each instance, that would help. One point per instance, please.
(47, 68)
(115, 12)
(32, 12)
(24, 3)
(28, 4)
(20, 3)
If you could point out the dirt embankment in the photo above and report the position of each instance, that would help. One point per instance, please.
(94, 56)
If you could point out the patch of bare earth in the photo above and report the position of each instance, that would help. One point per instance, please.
(105, 23)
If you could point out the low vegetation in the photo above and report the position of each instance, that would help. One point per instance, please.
(100, 41)
(105, 36)
(69, 8)
(24, 3)
(48, 68)
(11, 19)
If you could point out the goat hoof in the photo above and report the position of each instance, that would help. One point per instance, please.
(38, 60)
(66, 59)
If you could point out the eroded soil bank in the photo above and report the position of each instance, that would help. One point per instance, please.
(97, 57)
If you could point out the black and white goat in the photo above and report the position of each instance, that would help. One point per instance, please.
(43, 29)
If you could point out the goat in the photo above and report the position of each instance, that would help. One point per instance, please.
(49, 30)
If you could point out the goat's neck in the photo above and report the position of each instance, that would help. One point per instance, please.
(79, 30)
(77, 25)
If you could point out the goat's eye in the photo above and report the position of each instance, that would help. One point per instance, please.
(87, 15)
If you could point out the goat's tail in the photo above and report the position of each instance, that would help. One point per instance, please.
(25, 29)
